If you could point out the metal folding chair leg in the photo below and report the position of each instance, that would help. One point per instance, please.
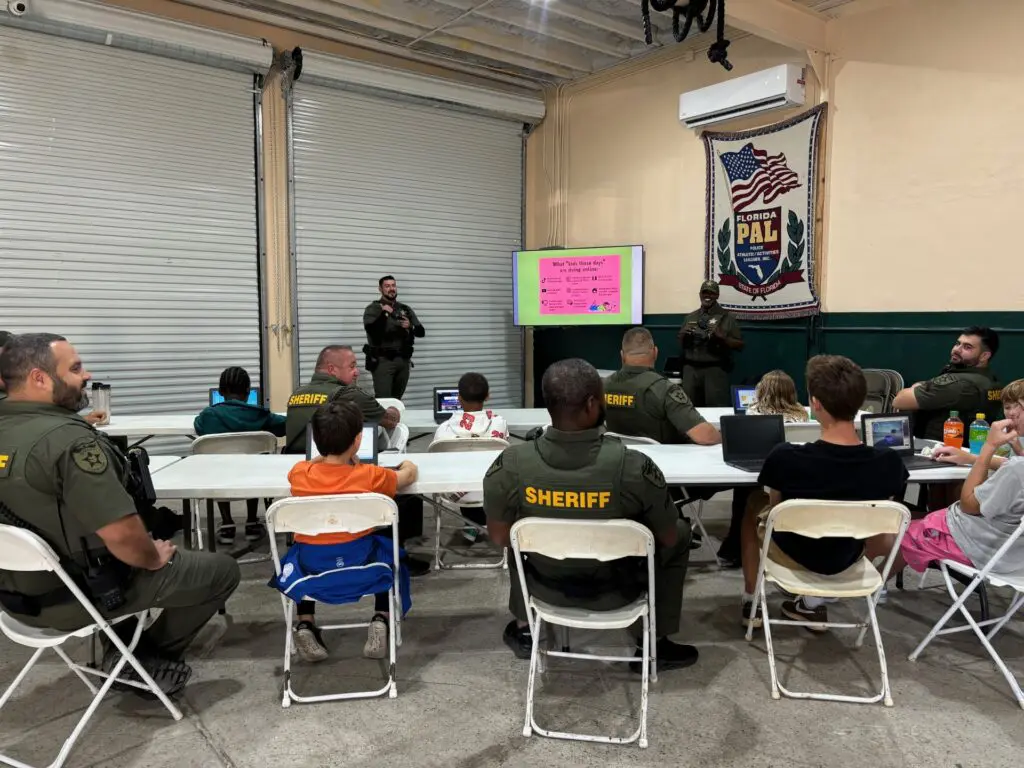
(439, 564)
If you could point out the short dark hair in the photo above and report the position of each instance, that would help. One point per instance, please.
(321, 359)
(380, 283)
(336, 426)
(24, 352)
(568, 384)
(838, 383)
(473, 388)
(989, 338)
(5, 336)
(235, 383)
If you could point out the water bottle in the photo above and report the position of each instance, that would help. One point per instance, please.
(953, 430)
(101, 401)
(978, 433)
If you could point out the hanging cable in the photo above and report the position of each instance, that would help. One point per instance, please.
(683, 19)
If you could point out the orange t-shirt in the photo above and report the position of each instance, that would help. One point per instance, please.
(321, 479)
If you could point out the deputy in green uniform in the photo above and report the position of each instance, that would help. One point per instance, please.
(640, 401)
(65, 481)
(966, 385)
(708, 338)
(391, 330)
(335, 375)
(573, 472)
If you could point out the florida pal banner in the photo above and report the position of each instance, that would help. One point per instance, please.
(762, 191)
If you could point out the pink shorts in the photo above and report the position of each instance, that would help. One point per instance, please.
(928, 540)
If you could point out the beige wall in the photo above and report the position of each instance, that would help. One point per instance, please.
(612, 164)
(927, 168)
(924, 169)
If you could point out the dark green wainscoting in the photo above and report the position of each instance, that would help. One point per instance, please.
(916, 344)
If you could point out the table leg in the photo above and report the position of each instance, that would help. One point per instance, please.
(210, 526)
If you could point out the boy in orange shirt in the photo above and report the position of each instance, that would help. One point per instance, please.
(330, 566)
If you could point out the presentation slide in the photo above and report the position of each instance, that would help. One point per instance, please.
(579, 286)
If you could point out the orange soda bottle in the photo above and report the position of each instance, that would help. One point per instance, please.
(953, 430)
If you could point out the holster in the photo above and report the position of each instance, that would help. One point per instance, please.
(372, 358)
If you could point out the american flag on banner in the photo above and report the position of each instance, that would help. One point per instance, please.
(753, 174)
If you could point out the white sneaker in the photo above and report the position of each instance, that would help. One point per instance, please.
(308, 644)
(376, 639)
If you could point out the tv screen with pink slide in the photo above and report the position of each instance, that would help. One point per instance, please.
(579, 286)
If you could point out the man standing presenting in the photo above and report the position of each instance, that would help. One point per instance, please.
(708, 338)
(391, 328)
(966, 385)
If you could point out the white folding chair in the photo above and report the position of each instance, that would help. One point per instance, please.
(21, 550)
(602, 540)
(397, 439)
(697, 504)
(392, 402)
(819, 519)
(442, 505)
(246, 443)
(978, 577)
(344, 513)
(878, 388)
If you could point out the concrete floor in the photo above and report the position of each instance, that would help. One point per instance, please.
(461, 694)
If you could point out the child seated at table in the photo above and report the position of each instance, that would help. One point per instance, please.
(235, 414)
(310, 569)
(971, 530)
(472, 421)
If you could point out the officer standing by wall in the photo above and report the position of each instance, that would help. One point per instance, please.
(66, 482)
(391, 330)
(708, 338)
(606, 481)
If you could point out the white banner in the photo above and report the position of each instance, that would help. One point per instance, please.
(761, 196)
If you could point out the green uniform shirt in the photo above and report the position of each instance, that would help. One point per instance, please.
(385, 332)
(642, 402)
(577, 475)
(701, 347)
(61, 476)
(960, 388)
(307, 398)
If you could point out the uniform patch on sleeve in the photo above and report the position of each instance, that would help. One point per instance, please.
(677, 393)
(652, 473)
(944, 379)
(495, 465)
(6, 462)
(90, 457)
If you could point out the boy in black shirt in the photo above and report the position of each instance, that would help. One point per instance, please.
(838, 467)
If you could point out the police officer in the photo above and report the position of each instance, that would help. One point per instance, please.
(708, 338)
(640, 401)
(391, 328)
(966, 385)
(573, 471)
(336, 374)
(63, 480)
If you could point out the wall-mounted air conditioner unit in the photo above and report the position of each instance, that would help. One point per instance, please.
(774, 88)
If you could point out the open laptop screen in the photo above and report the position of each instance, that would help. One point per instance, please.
(742, 398)
(888, 430)
(750, 437)
(367, 448)
(446, 401)
(217, 397)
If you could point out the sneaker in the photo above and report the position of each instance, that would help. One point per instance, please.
(669, 656)
(758, 621)
(518, 639)
(470, 534)
(797, 611)
(226, 535)
(254, 531)
(309, 643)
(169, 676)
(377, 638)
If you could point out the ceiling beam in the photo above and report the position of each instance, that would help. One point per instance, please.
(406, 20)
(615, 24)
(534, 18)
(781, 21)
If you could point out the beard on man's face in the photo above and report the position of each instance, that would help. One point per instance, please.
(67, 396)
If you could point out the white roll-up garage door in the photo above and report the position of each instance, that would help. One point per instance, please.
(428, 194)
(128, 215)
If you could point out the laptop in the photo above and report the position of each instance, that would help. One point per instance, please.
(217, 397)
(742, 398)
(367, 448)
(896, 431)
(747, 440)
(446, 402)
